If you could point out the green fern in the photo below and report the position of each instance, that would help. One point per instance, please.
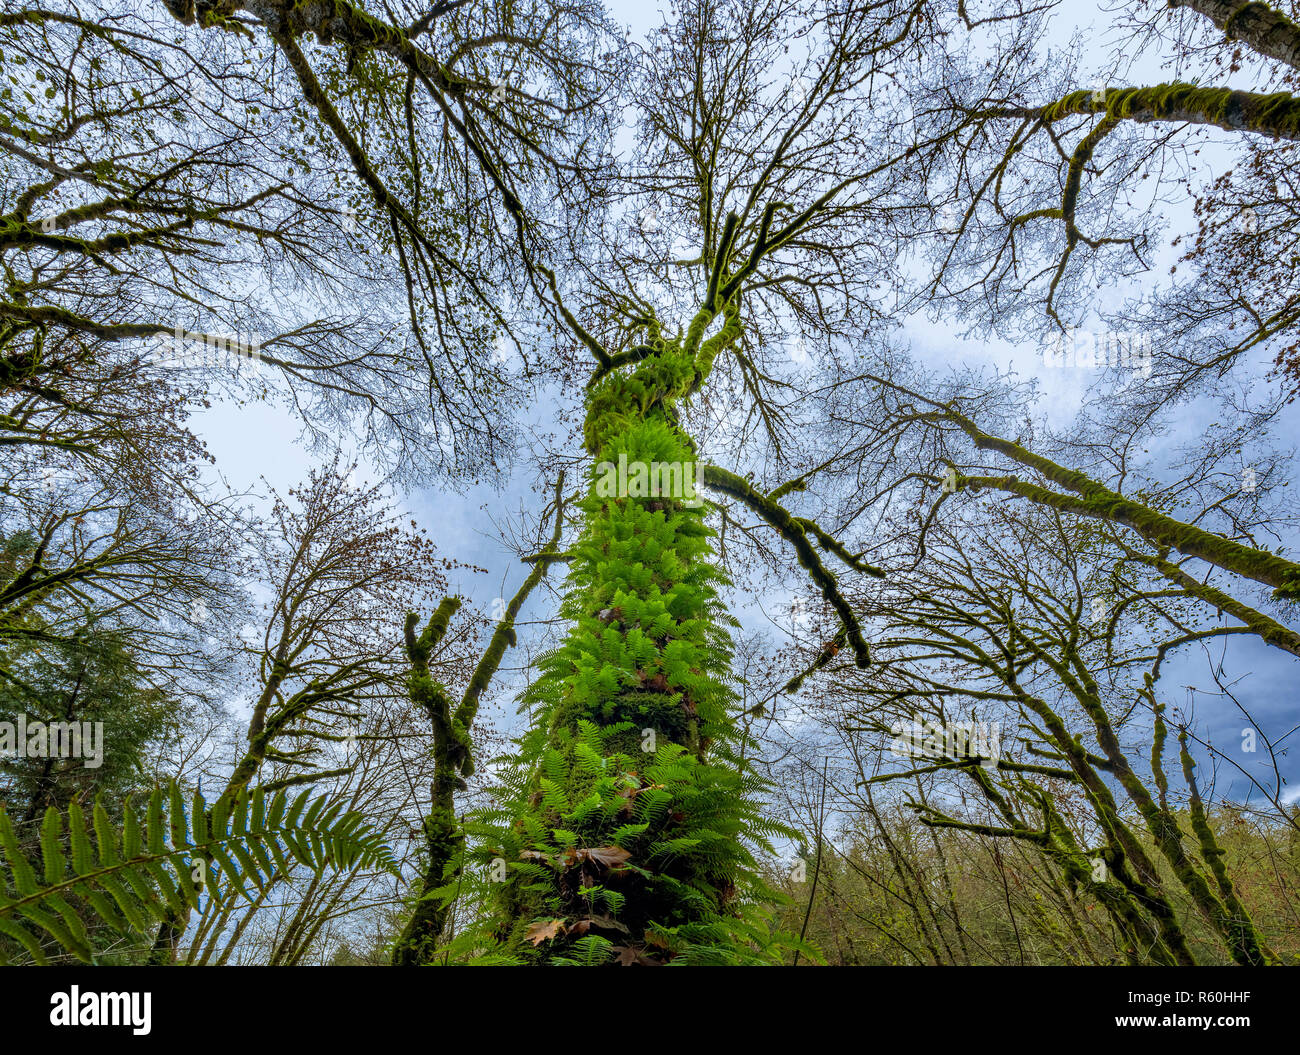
(133, 878)
(628, 820)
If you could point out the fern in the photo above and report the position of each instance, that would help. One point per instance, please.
(133, 878)
(632, 774)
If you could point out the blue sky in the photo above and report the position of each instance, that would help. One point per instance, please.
(262, 442)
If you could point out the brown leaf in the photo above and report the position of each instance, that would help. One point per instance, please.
(544, 930)
(633, 956)
(609, 856)
(580, 927)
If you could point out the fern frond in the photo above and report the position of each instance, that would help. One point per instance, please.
(144, 874)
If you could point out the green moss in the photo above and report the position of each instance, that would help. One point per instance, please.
(1275, 114)
(1235, 922)
(631, 832)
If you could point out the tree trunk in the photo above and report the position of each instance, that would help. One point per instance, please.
(630, 842)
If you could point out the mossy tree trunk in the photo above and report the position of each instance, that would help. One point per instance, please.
(452, 752)
(629, 843)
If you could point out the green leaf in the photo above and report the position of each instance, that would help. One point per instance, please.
(83, 863)
(106, 836)
(153, 881)
(51, 850)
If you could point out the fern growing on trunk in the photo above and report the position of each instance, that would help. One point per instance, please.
(627, 826)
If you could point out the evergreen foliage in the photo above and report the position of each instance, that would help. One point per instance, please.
(154, 868)
(628, 822)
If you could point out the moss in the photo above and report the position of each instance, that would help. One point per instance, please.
(1060, 846)
(1237, 926)
(624, 813)
(1123, 844)
(796, 533)
(1160, 820)
(1096, 501)
(1275, 114)
(453, 748)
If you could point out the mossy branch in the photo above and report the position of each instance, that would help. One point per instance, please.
(1263, 626)
(1100, 503)
(1237, 921)
(1261, 28)
(504, 636)
(1276, 114)
(1097, 501)
(452, 751)
(796, 531)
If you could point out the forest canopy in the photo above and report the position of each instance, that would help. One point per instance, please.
(786, 482)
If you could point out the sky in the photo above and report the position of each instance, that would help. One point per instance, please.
(260, 444)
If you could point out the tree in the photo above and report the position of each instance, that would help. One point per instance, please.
(613, 854)
(453, 758)
(142, 159)
(339, 568)
(90, 679)
(717, 310)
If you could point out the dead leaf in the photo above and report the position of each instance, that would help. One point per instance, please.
(544, 930)
(629, 794)
(609, 856)
(632, 956)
